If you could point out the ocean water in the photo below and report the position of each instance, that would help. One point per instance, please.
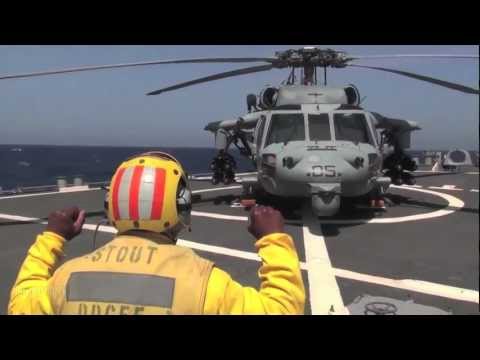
(38, 165)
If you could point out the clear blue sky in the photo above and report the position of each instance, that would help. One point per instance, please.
(109, 107)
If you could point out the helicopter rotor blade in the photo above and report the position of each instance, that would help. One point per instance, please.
(396, 56)
(145, 63)
(431, 80)
(218, 76)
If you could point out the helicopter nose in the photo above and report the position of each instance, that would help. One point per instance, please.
(322, 166)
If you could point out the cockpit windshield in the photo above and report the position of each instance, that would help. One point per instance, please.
(319, 127)
(351, 127)
(285, 128)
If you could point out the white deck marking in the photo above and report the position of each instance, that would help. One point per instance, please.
(247, 173)
(193, 245)
(46, 193)
(219, 250)
(70, 189)
(325, 297)
(406, 284)
(435, 172)
(454, 204)
(19, 218)
(474, 190)
(446, 187)
(236, 205)
(219, 216)
(238, 177)
(109, 229)
(102, 228)
(216, 189)
(447, 172)
(423, 287)
(235, 217)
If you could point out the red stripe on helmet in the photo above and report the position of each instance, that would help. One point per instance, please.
(134, 192)
(158, 194)
(114, 194)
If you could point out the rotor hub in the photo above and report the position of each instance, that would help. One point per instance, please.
(312, 56)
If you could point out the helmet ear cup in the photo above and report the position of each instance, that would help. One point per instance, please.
(184, 203)
(105, 203)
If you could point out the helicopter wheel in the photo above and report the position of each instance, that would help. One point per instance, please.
(216, 179)
(376, 201)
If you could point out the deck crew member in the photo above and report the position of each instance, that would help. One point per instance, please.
(142, 270)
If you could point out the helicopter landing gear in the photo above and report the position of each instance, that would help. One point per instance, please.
(376, 200)
(219, 177)
(401, 177)
(399, 165)
(247, 204)
(223, 167)
(408, 179)
(215, 179)
(247, 199)
(377, 203)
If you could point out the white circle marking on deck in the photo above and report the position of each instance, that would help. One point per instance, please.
(454, 204)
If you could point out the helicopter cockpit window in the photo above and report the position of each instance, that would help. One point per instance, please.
(351, 127)
(261, 128)
(319, 127)
(285, 128)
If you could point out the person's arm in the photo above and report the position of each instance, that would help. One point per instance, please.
(30, 294)
(282, 290)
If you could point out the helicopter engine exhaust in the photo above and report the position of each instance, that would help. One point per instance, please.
(353, 95)
(268, 97)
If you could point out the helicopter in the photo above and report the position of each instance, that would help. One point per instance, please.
(307, 140)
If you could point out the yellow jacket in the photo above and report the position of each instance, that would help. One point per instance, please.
(37, 289)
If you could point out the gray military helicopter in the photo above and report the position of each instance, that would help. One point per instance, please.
(308, 140)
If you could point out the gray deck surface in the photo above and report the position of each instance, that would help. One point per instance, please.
(441, 250)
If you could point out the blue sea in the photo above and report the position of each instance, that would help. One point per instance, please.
(38, 165)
